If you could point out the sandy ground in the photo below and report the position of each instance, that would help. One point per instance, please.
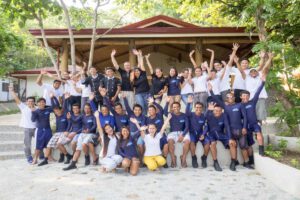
(22, 181)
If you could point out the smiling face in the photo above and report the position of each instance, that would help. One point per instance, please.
(198, 109)
(119, 109)
(109, 73)
(217, 111)
(158, 73)
(245, 98)
(198, 72)
(57, 111)
(244, 64)
(108, 129)
(76, 109)
(41, 104)
(152, 129)
(125, 133)
(185, 74)
(172, 72)
(30, 102)
(127, 66)
(137, 73)
(87, 110)
(176, 108)
(217, 66)
(253, 73)
(151, 111)
(230, 98)
(104, 110)
(137, 111)
(56, 84)
(93, 71)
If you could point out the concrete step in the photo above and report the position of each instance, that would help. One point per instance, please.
(11, 128)
(11, 146)
(11, 136)
(12, 155)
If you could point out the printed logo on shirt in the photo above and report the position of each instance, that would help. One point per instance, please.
(129, 144)
(220, 123)
(157, 121)
(182, 121)
(46, 113)
(173, 81)
(235, 110)
(201, 122)
(89, 121)
(106, 122)
(248, 106)
(123, 120)
(63, 120)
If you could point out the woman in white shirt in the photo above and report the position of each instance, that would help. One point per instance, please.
(186, 86)
(152, 157)
(109, 159)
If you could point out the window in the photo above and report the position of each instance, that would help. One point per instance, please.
(5, 87)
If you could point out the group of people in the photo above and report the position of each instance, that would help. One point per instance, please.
(224, 102)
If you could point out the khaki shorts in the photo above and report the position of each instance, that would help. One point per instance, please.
(175, 136)
(261, 110)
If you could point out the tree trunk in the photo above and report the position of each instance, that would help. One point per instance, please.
(93, 39)
(260, 23)
(40, 21)
(72, 42)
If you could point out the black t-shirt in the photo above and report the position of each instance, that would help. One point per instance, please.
(125, 77)
(157, 84)
(94, 83)
(141, 83)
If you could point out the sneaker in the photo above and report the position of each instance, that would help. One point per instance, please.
(194, 161)
(44, 162)
(237, 163)
(261, 150)
(204, 163)
(69, 158)
(29, 159)
(166, 165)
(61, 158)
(96, 162)
(41, 157)
(71, 166)
(232, 165)
(87, 160)
(217, 166)
(251, 160)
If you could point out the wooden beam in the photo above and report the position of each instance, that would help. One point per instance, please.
(199, 51)
(102, 42)
(228, 40)
(151, 41)
(132, 57)
(64, 57)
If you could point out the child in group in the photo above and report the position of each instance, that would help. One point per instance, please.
(179, 127)
(127, 149)
(59, 138)
(74, 128)
(218, 130)
(138, 115)
(86, 139)
(156, 116)
(253, 126)
(41, 116)
(26, 123)
(152, 157)
(109, 159)
(196, 129)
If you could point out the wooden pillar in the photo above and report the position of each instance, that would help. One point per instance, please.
(132, 57)
(64, 57)
(199, 51)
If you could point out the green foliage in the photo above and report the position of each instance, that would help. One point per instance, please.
(282, 145)
(271, 152)
(295, 163)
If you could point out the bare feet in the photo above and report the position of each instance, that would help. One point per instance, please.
(183, 162)
(34, 162)
(173, 163)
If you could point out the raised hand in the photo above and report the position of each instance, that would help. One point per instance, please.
(209, 86)
(192, 53)
(68, 115)
(223, 63)
(133, 120)
(135, 52)
(211, 106)
(140, 52)
(67, 95)
(235, 46)
(51, 94)
(169, 117)
(96, 113)
(113, 52)
(150, 100)
(262, 54)
(263, 77)
(147, 56)
(43, 72)
(123, 96)
(143, 128)
(236, 59)
(270, 55)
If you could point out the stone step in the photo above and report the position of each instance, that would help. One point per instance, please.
(11, 155)
(11, 136)
(11, 128)
(11, 146)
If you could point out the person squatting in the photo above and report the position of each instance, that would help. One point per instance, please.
(224, 102)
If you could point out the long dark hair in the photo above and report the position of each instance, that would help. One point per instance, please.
(176, 72)
(107, 139)
(121, 136)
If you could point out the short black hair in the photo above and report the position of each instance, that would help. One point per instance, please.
(213, 70)
(56, 81)
(199, 103)
(245, 59)
(104, 106)
(137, 106)
(31, 97)
(152, 106)
(176, 103)
(110, 68)
(118, 104)
(76, 105)
(217, 61)
(244, 92)
(57, 107)
(41, 99)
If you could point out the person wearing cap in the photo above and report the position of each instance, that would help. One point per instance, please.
(111, 84)
(126, 86)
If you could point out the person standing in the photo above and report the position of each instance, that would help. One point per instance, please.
(26, 123)
(126, 86)
(111, 84)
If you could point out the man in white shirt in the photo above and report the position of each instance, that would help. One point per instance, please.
(186, 86)
(26, 123)
(48, 89)
(200, 89)
(215, 81)
(73, 87)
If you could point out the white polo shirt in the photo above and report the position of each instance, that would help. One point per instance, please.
(239, 82)
(200, 83)
(252, 85)
(215, 86)
(187, 88)
(48, 89)
(225, 82)
(26, 116)
(85, 90)
(69, 87)
(152, 145)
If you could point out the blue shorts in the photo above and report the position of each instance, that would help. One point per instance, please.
(215, 136)
(43, 136)
(196, 138)
(139, 140)
(254, 128)
(163, 141)
(250, 139)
